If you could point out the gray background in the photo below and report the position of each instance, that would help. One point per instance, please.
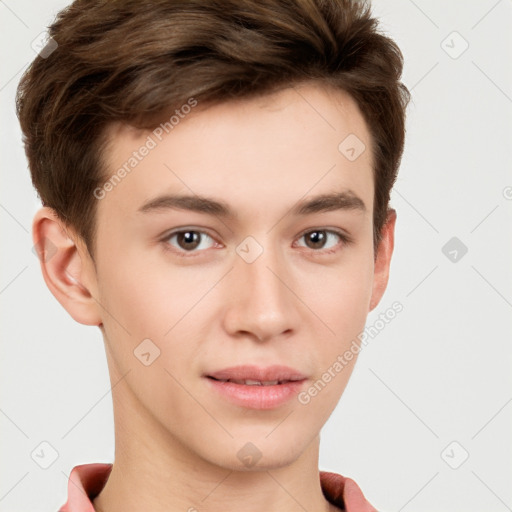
(438, 373)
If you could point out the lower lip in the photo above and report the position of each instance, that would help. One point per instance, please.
(257, 397)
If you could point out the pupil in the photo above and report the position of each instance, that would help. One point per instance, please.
(317, 238)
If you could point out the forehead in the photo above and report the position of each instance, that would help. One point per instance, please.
(271, 149)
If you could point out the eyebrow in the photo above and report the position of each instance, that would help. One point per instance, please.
(321, 203)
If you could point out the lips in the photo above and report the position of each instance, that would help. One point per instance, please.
(255, 387)
(254, 375)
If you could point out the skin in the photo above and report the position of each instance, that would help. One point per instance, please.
(177, 441)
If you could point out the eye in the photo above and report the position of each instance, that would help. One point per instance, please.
(323, 239)
(192, 241)
(188, 240)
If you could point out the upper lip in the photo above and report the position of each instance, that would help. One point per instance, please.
(257, 373)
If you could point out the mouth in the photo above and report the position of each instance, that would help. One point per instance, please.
(256, 387)
(252, 375)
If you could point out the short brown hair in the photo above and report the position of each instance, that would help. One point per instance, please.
(129, 61)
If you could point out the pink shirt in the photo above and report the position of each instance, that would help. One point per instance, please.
(87, 480)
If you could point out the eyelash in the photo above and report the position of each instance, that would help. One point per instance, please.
(345, 240)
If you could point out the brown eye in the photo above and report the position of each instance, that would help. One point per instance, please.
(189, 240)
(315, 239)
(323, 239)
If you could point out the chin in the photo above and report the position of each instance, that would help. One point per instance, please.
(258, 455)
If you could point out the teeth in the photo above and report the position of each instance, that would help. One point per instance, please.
(249, 382)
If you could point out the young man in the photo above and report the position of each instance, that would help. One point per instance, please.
(215, 178)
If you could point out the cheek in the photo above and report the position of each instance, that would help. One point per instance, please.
(136, 301)
(165, 303)
(341, 294)
(146, 293)
(341, 299)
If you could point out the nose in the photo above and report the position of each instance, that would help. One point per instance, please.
(261, 302)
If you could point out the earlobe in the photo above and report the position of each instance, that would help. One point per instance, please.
(383, 259)
(65, 267)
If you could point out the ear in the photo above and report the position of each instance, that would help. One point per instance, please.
(67, 267)
(383, 259)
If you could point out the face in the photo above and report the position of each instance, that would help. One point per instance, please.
(239, 248)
